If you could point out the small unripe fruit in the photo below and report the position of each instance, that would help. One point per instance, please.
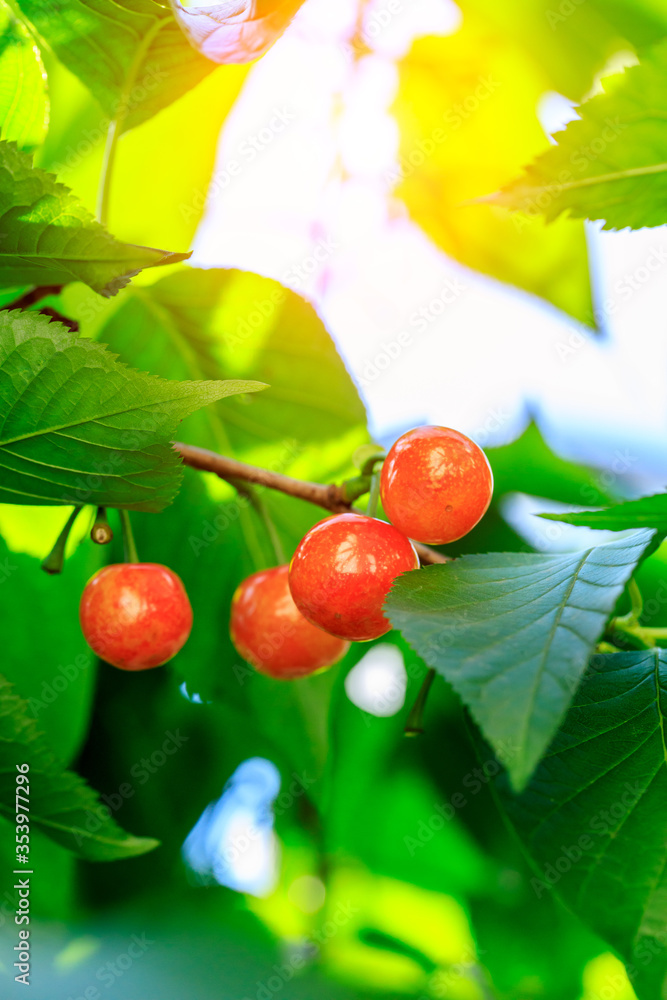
(436, 484)
(135, 615)
(342, 571)
(269, 631)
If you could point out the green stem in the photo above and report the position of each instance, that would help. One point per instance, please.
(374, 495)
(108, 162)
(415, 721)
(116, 124)
(54, 561)
(636, 599)
(271, 529)
(101, 532)
(129, 548)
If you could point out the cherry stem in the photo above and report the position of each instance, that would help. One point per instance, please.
(129, 548)
(374, 495)
(101, 532)
(332, 498)
(271, 529)
(415, 721)
(56, 557)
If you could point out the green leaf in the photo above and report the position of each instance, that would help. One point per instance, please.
(79, 427)
(49, 238)
(571, 45)
(612, 163)
(593, 816)
(23, 101)
(61, 804)
(132, 54)
(649, 512)
(528, 465)
(201, 323)
(512, 633)
(466, 109)
(237, 32)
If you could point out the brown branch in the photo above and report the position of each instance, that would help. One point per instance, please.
(331, 498)
(34, 295)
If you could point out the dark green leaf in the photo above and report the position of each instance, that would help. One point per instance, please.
(78, 427)
(611, 164)
(649, 512)
(131, 54)
(23, 102)
(49, 238)
(61, 804)
(593, 816)
(235, 33)
(513, 632)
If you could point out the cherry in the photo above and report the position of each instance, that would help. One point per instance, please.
(342, 570)
(269, 631)
(436, 484)
(135, 615)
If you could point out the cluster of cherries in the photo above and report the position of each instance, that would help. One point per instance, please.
(291, 621)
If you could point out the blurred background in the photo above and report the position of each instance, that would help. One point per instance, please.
(308, 848)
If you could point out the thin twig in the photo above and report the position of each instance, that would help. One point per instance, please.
(71, 324)
(34, 295)
(331, 497)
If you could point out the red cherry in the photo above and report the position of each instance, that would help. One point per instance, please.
(342, 570)
(135, 615)
(436, 484)
(269, 631)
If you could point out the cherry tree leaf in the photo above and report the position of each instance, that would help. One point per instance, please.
(47, 237)
(60, 803)
(23, 101)
(612, 163)
(131, 54)
(648, 512)
(78, 427)
(513, 632)
(593, 815)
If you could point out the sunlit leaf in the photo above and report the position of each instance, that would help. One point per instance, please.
(466, 108)
(131, 54)
(23, 101)
(78, 427)
(48, 237)
(612, 163)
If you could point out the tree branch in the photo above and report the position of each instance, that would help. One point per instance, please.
(331, 498)
(34, 295)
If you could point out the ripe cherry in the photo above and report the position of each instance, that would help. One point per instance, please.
(135, 615)
(342, 570)
(269, 631)
(436, 484)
